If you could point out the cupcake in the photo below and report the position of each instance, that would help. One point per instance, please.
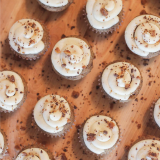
(55, 5)
(121, 81)
(104, 16)
(142, 36)
(145, 149)
(28, 39)
(99, 135)
(34, 152)
(72, 58)
(3, 143)
(155, 113)
(13, 91)
(53, 115)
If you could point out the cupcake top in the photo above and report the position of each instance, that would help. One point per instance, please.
(52, 113)
(103, 14)
(25, 37)
(33, 154)
(145, 150)
(1, 143)
(100, 133)
(54, 3)
(142, 35)
(11, 90)
(120, 80)
(157, 112)
(70, 56)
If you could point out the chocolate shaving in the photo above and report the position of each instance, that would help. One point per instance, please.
(111, 125)
(11, 79)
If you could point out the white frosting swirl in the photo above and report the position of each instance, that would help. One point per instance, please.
(1, 143)
(147, 149)
(33, 154)
(54, 3)
(52, 113)
(70, 56)
(11, 90)
(142, 35)
(25, 37)
(110, 8)
(157, 112)
(120, 80)
(105, 130)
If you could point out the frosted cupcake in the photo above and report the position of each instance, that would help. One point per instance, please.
(3, 143)
(34, 153)
(53, 115)
(155, 113)
(72, 58)
(100, 135)
(55, 5)
(121, 81)
(13, 91)
(146, 149)
(142, 36)
(28, 39)
(104, 16)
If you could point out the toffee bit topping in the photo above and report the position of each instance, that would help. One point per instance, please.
(104, 12)
(127, 86)
(68, 121)
(24, 154)
(32, 41)
(152, 155)
(33, 25)
(83, 67)
(105, 132)
(67, 52)
(11, 78)
(57, 50)
(57, 128)
(152, 33)
(111, 125)
(91, 137)
(63, 65)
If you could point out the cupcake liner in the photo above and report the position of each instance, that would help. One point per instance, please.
(104, 31)
(36, 145)
(66, 129)
(55, 9)
(85, 71)
(133, 96)
(24, 97)
(141, 138)
(152, 114)
(45, 39)
(107, 151)
(5, 144)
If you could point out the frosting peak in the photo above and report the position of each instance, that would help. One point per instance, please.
(157, 112)
(142, 35)
(52, 113)
(25, 37)
(70, 56)
(120, 80)
(100, 133)
(11, 90)
(103, 14)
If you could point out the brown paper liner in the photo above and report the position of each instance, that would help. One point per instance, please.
(152, 114)
(144, 138)
(85, 71)
(55, 9)
(5, 144)
(24, 96)
(133, 96)
(104, 31)
(36, 145)
(66, 129)
(107, 151)
(46, 41)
